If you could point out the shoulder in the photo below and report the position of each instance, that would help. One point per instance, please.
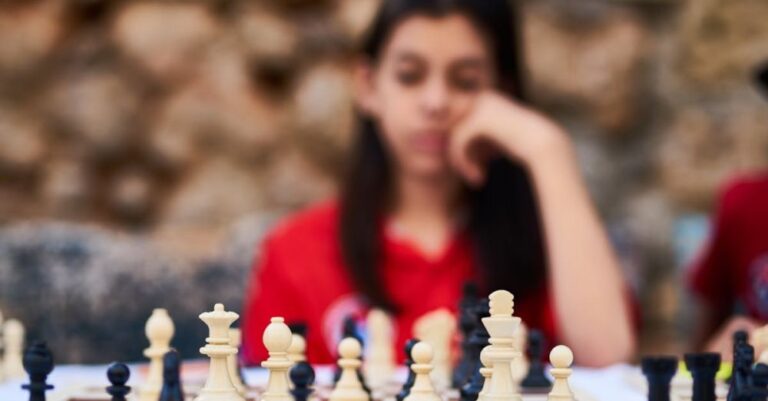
(305, 237)
(744, 192)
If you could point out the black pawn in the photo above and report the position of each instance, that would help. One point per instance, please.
(463, 372)
(659, 372)
(536, 377)
(303, 376)
(703, 368)
(118, 374)
(411, 379)
(478, 339)
(38, 363)
(172, 390)
(739, 338)
(741, 383)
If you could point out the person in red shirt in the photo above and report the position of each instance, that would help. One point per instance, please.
(730, 276)
(452, 178)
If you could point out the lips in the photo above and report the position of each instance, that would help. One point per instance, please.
(432, 141)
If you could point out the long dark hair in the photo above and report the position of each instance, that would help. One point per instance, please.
(504, 222)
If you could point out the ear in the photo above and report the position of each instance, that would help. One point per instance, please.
(366, 98)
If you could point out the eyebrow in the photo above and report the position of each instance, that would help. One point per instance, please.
(463, 62)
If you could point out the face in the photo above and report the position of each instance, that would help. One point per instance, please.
(426, 81)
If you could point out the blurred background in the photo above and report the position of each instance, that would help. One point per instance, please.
(146, 146)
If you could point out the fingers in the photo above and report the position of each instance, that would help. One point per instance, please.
(461, 155)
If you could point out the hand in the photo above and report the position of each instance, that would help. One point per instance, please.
(498, 124)
(722, 341)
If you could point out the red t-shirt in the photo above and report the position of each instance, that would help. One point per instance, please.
(301, 277)
(733, 267)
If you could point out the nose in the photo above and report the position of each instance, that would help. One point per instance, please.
(435, 100)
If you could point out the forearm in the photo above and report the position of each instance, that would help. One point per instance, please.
(588, 289)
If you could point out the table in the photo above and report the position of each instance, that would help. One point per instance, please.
(608, 384)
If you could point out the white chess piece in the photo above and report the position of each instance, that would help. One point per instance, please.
(218, 386)
(760, 341)
(561, 359)
(520, 365)
(235, 340)
(277, 339)
(380, 358)
(13, 334)
(501, 326)
(349, 388)
(486, 370)
(298, 348)
(422, 389)
(2, 376)
(159, 330)
(437, 328)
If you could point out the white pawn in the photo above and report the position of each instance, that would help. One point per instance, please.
(380, 359)
(298, 348)
(561, 359)
(235, 340)
(349, 388)
(277, 339)
(2, 377)
(422, 389)
(13, 334)
(159, 330)
(218, 386)
(486, 370)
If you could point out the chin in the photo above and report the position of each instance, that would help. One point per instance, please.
(430, 168)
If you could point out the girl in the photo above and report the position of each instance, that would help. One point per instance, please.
(452, 178)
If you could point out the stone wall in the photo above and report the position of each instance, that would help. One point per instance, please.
(181, 123)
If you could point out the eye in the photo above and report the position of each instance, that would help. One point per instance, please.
(467, 84)
(409, 76)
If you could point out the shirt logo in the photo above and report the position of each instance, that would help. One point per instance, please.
(759, 284)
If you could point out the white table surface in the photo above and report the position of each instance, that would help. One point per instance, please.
(609, 384)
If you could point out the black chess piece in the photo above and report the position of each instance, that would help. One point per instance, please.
(739, 337)
(703, 368)
(463, 371)
(759, 382)
(38, 363)
(479, 339)
(303, 377)
(118, 374)
(761, 77)
(741, 383)
(411, 379)
(659, 372)
(536, 378)
(172, 390)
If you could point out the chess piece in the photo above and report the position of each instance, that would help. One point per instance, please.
(172, 390)
(422, 389)
(501, 326)
(463, 372)
(13, 335)
(520, 365)
(411, 378)
(159, 331)
(277, 339)
(349, 387)
(479, 363)
(536, 378)
(659, 372)
(380, 361)
(303, 377)
(485, 372)
(436, 328)
(760, 382)
(2, 376)
(561, 359)
(760, 340)
(38, 363)
(703, 368)
(118, 375)
(235, 340)
(741, 383)
(218, 386)
(298, 348)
